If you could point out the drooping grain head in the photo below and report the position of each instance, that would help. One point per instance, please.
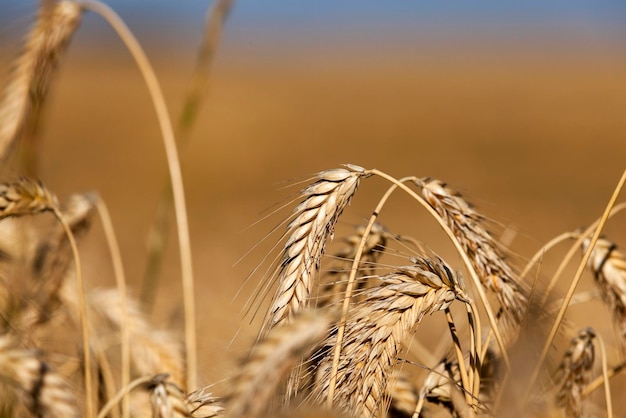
(376, 330)
(312, 225)
(486, 255)
(608, 266)
(25, 197)
(574, 373)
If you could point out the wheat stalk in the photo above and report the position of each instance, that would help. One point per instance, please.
(312, 224)
(34, 69)
(375, 330)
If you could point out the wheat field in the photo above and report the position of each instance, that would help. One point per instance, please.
(361, 231)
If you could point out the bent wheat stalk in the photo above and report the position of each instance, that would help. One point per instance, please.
(176, 179)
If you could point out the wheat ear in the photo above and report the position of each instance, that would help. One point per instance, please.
(273, 358)
(34, 69)
(483, 250)
(608, 266)
(167, 399)
(44, 393)
(313, 223)
(574, 372)
(25, 197)
(375, 330)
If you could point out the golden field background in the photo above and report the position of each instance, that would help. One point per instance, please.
(533, 134)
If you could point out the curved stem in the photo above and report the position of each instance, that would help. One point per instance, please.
(171, 151)
(541, 253)
(462, 254)
(82, 310)
(120, 278)
(349, 288)
(122, 393)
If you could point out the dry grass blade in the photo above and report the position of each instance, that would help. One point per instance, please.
(272, 359)
(312, 224)
(25, 197)
(375, 331)
(574, 373)
(608, 266)
(402, 393)
(439, 386)
(34, 69)
(43, 392)
(483, 250)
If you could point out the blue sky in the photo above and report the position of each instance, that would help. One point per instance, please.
(326, 20)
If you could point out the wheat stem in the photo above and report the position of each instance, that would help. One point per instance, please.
(605, 377)
(120, 278)
(82, 307)
(171, 151)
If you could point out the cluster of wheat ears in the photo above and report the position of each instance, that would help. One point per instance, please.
(335, 339)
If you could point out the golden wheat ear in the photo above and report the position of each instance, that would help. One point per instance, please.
(313, 223)
(28, 87)
(608, 266)
(376, 330)
(36, 385)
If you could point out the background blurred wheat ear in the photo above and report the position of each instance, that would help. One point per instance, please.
(25, 95)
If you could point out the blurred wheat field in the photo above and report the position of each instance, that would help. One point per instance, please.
(535, 135)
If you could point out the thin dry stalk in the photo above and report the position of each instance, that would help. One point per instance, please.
(272, 359)
(26, 92)
(375, 332)
(169, 142)
(486, 255)
(402, 393)
(53, 256)
(312, 224)
(608, 266)
(43, 392)
(574, 373)
(159, 233)
(572, 288)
